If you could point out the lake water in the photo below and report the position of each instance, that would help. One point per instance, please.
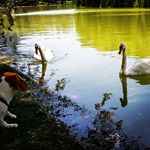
(84, 43)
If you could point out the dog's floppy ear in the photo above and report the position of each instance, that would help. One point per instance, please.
(15, 81)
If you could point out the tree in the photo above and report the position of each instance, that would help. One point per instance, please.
(93, 3)
(113, 3)
(140, 3)
(50, 1)
(122, 3)
(137, 3)
(146, 3)
(78, 3)
(7, 9)
(26, 2)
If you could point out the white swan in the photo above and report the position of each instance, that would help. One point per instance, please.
(141, 67)
(41, 54)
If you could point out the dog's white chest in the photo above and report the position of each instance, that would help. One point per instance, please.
(6, 91)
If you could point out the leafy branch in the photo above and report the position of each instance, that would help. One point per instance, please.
(7, 8)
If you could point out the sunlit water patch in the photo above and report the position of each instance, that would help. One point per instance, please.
(50, 12)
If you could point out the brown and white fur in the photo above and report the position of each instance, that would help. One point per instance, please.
(10, 82)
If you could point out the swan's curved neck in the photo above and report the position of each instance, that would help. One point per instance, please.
(124, 63)
(43, 57)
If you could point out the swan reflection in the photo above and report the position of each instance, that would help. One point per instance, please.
(124, 100)
(142, 80)
(44, 66)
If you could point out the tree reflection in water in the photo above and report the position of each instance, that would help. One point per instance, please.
(8, 42)
(60, 85)
(108, 133)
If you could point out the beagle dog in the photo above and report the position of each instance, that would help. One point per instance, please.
(10, 82)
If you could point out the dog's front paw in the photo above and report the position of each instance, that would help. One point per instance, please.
(14, 125)
(14, 116)
(11, 115)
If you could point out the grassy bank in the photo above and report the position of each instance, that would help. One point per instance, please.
(36, 131)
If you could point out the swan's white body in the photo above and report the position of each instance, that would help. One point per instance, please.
(42, 55)
(141, 67)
